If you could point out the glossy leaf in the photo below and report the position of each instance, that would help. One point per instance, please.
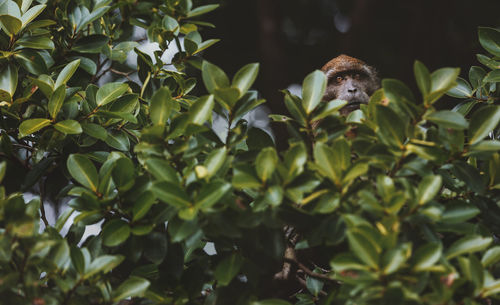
(134, 286)
(489, 38)
(83, 171)
(428, 188)
(171, 194)
(161, 105)
(201, 110)
(66, 73)
(115, 232)
(8, 83)
(423, 77)
(468, 244)
(56, 101)
(213, 77)
(448, 119)
(313, 89)
(228, 268)
(426, 256)
(69, 127)
(202, 10)
(245, 77)
(265, 163)
(482, 122)
(110, 92)
(31, 126)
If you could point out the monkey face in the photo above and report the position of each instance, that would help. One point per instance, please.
(348, 86)
(350, 79)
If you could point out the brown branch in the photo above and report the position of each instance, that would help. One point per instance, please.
(308, 271)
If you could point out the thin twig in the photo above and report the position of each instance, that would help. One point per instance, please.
(308, 271)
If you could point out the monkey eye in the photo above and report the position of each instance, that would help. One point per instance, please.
(339, 79)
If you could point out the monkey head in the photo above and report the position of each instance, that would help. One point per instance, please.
(349, 79)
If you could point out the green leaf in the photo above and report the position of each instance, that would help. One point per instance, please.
(211, 193)
(363, 248)
(110, 92)
(56, 101)
(271, 302)
(468, 244)
(426, 256)
(170, 24)
(31, 14)
(489, 38)
(228, 268)
(96, 13)
(115, 232)
(44, 83)
(428, 188)
(486, 145)
(77, 259)
(245, 77)
(331, 107)
(202, 10)
(33, 125)
(492, 77)
(90, 44)
(266, 162)
(294, 106)
(201, 110)
(314, 285)
(171, 194)
(10, 17)
(491, 256)
(205, 45)
(123, 174)
(323, 159)
(227, 97)
(244, 177)
(8, 83)
(83, 171)
(442, 80)
(391, 128)
(66, 73)
(134, 286)
(215, 160)
(476, 75)
(142, 205)
(313, 89)
(490, 63)
(36, 42)
(482, 122)
(213, 77)
(459, 213)
(461, 90)
(395, 258)
(3, 169)
(162, 170)
(95, 131)
(60, 253)
(104, 263)
(69, 127)
(448, 119)
(161, 105)
(423, 77)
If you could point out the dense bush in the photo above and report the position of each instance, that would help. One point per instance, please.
(395, 204)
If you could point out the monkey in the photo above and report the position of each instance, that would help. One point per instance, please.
(349, 79)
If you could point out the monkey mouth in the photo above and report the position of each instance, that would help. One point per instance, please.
(352, 106)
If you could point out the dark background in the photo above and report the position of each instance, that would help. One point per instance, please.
(290, 38)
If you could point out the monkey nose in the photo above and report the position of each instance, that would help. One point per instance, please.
(352, 90)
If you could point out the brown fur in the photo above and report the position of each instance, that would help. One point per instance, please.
(350, 79)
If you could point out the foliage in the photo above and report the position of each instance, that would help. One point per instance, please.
(395, 204)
